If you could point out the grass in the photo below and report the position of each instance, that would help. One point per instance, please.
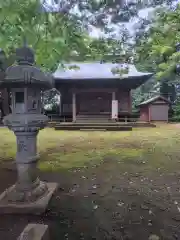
(146, 148)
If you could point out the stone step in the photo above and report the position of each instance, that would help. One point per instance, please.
(93, 118)
(92, 121)
(93, 115)
(91, 124)
(100, 125)
(100, 118)
(95, 128)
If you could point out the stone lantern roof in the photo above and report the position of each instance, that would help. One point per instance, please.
(25, 56)
(25, 73)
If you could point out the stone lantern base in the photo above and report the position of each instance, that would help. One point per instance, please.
(37, 207)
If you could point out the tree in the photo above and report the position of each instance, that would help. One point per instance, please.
(59, 29)
(156, 50)
(52, 35)
(56, 30)
(158, 47)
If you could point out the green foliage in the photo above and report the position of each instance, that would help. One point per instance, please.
(120, 70)
(57, 33)
(176, 113)
(52, 35)
(157, 47)
(144, 92)
(156, 51)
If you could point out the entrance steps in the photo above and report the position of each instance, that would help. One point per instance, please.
(94, 127)
(93, 118)
(111, 126)
(94, 122)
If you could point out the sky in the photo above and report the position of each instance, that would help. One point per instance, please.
(144, 13)
(96, 33)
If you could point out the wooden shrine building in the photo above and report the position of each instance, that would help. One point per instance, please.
(94, 90)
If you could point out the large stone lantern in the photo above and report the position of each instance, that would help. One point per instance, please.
(29, 194)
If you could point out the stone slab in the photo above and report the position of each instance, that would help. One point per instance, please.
(36, 208)
(35, 232)
(95, 128)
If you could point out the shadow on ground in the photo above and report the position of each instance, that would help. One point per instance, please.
(102, 202)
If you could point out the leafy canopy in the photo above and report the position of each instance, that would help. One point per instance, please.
(58, 30)
(52, 35)
(157, 48)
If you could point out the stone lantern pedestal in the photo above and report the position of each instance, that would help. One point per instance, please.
(28, 194)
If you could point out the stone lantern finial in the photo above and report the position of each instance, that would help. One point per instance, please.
(25, 55)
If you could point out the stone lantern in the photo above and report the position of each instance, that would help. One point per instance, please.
(28, 194)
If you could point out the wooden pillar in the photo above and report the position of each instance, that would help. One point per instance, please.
(60, 105)
(149, 113)
(74, 106)
(130, 102)
(113, 96)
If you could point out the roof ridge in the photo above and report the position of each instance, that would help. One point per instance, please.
(150, 100)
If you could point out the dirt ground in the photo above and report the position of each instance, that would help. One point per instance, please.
(102, 202)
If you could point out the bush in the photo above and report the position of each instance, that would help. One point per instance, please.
(174, 113)
(175, 119)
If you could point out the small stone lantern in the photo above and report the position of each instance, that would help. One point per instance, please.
(29, 194)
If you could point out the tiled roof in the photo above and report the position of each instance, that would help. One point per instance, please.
(154, 99)
(96, 70)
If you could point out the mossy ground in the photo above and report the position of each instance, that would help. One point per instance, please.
(157, 147)
(113, 185)
(148, 148)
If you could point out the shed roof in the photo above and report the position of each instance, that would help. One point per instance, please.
(153, 99)
(96, 70)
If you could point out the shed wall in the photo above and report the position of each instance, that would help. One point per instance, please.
(159, 112)
(144, 113)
